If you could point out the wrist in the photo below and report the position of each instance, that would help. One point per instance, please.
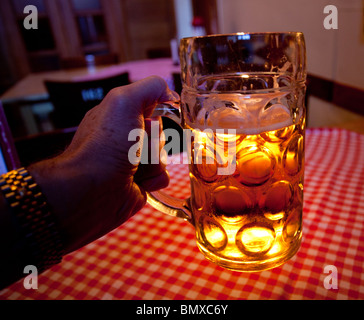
(38, 233)
(62, 187)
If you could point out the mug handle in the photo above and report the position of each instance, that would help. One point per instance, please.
(158, 199)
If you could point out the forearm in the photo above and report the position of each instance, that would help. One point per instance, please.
(90, 189)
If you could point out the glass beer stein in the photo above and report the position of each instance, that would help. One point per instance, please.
(243, 104)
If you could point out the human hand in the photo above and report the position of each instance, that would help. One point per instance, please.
(92, 187)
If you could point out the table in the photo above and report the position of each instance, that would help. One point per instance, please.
(154, 256)
(32, 86)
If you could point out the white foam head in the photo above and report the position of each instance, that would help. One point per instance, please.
(274, 118)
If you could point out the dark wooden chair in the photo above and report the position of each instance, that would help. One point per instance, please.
(16, 152)
(71, 100)
(43, 146)
(9, 159)
(80, 62)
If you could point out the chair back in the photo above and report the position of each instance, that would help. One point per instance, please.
(44, 145)
(9, 159)
(71, 100)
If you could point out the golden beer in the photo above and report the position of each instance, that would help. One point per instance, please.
(252, 217)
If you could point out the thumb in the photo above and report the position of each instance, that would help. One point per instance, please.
(144, 95)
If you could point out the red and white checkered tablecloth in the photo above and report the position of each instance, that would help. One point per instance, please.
(154, 256)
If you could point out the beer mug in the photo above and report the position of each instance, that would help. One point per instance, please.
(243, 104)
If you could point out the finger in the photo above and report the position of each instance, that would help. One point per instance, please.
(156, 183)
(143, 96)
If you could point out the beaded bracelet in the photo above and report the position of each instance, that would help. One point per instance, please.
(37, 224)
